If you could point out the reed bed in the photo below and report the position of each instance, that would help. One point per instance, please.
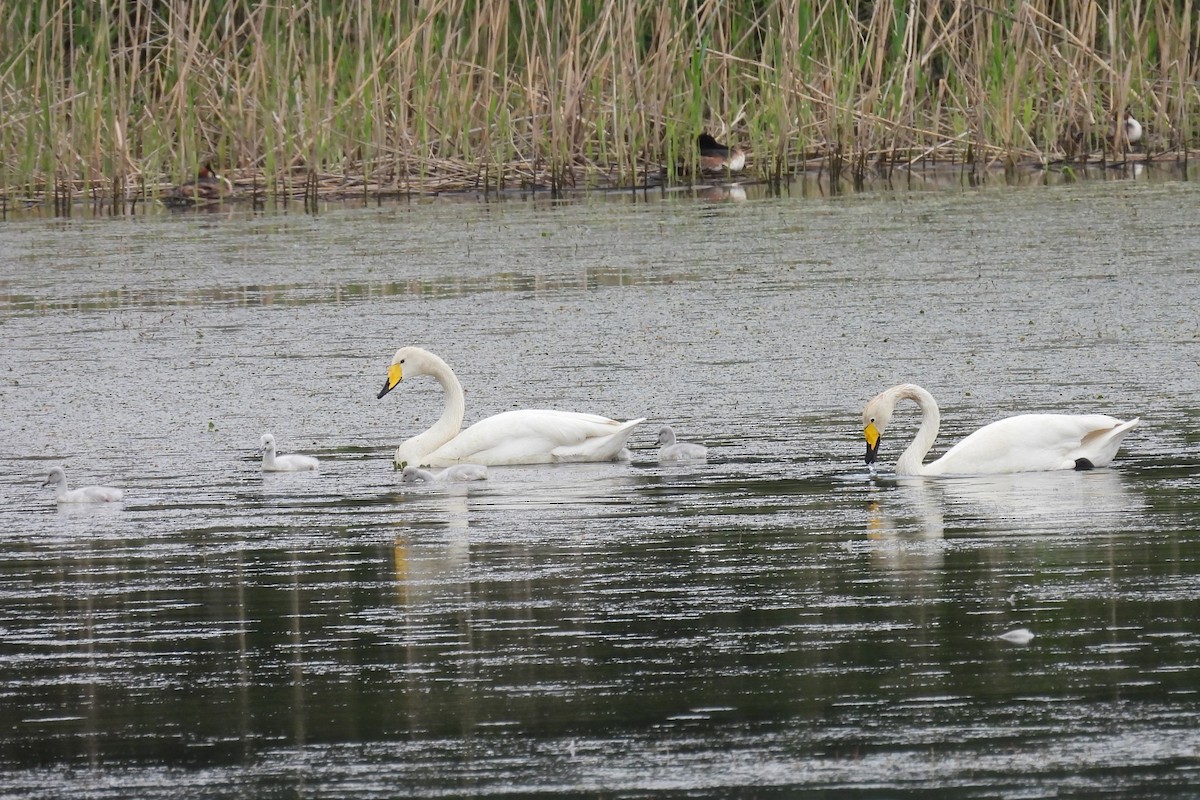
(116, 100)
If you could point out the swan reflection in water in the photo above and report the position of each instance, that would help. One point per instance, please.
(1064, 502)
(907, 520)
(905, 531)
(433, 563)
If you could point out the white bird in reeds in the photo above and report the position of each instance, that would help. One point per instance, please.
(458, 473)
(529, 436)
(671, 450)
(1024, 443)
(1133, 129)
(288, 463)
(84, 494)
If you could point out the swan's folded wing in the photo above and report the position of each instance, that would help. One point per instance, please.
(1100, 445)
(94, 494)
(1036, 442)
(604, 443)
(536, 436)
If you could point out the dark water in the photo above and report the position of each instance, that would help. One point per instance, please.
(768, 623)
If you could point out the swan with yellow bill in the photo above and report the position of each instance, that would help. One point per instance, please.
(1024, 443)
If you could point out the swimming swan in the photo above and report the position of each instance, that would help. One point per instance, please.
(678, 451)
(84, 494)
(1024, 443)
(289, 463)
(458, 473)
(513, 437)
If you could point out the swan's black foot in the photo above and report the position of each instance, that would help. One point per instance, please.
(1082, 464)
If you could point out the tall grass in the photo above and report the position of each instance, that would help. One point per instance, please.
(115, 100)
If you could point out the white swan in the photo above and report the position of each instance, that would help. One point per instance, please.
(1024, 443)
(458, 473)
(513, 437)
(84, 494)
(672, 450)
(288, 463)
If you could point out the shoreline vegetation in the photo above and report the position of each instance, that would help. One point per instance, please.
(116, 102)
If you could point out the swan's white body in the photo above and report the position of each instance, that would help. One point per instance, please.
(671, 450)
(459, 473)
(1024, 443)
(84, 494)
(288, 463)
(531, 436)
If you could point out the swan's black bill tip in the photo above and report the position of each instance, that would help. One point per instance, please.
(1082, 464)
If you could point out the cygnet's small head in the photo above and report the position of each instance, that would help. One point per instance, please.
(410, 475)
(876, 416)
(266, 445)
(666, 435)
(57, 475)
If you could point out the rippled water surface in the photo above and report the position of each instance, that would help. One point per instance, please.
(769, 622)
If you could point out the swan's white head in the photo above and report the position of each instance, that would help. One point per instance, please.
(876, 416)
(666, 435)
(411, 361)
(57, 475)
(266, 444)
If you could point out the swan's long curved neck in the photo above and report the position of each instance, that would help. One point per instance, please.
(447, 426)
(910, 461)
(450, 423)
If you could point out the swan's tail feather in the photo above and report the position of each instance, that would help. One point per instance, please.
(1100, 446)
(599, 448)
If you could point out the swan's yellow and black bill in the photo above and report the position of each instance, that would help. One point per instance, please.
(873, 438)
(394, 377)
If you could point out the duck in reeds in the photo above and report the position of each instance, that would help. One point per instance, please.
(716, 157)
(1133, 129)
(208, 187)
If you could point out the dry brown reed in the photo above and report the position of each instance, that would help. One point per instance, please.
(112, 100)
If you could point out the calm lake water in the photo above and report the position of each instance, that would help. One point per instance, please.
(767, 623)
